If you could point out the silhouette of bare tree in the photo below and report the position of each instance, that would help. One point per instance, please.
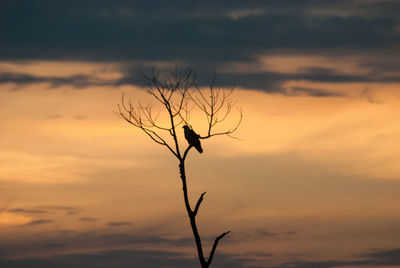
(179, 95)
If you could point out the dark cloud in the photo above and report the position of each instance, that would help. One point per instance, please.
(270, 82)
(179, 31)
(89, 219)
(80, 117)
(258, 254)
(67, 209)
(381, 258)
(382, 64)
(106, 259)
(207, 33)
(148, 258)
(379, 8)
(57, 244)
(384, 257)
(265, 233)
(27, 211)
(65, 232)
(77, 81)
(118, 223)
(269, 234)
(315, 92)
(123, 258)
(38, 222)
(90, 240)
(131, 239)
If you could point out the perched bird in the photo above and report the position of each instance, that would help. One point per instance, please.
(192, 138)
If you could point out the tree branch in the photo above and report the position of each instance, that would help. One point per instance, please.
(228, 133)
(196, 208)
(186, 152)
(215, 246)
(134, 117)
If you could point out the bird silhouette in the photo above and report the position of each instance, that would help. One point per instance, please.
(192, 138)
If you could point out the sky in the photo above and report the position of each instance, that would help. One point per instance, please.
(313, 179)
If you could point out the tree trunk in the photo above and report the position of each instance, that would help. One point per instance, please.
(192, 216)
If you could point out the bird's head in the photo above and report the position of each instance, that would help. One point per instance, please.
(185, 127)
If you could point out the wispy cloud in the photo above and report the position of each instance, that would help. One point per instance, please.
(76, 81)
(38, 222)
(27, 211)
(88, 219)
(118, 223)
(67, 209)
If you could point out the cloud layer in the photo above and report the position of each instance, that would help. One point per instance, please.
(207, 35)
(180, 31)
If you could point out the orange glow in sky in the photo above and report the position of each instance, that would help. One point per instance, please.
(305, 170)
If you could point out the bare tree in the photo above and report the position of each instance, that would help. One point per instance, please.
(180, 96)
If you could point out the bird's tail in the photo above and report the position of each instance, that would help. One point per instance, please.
(198, 148)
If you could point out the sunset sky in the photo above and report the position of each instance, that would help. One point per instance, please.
(312, 182)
